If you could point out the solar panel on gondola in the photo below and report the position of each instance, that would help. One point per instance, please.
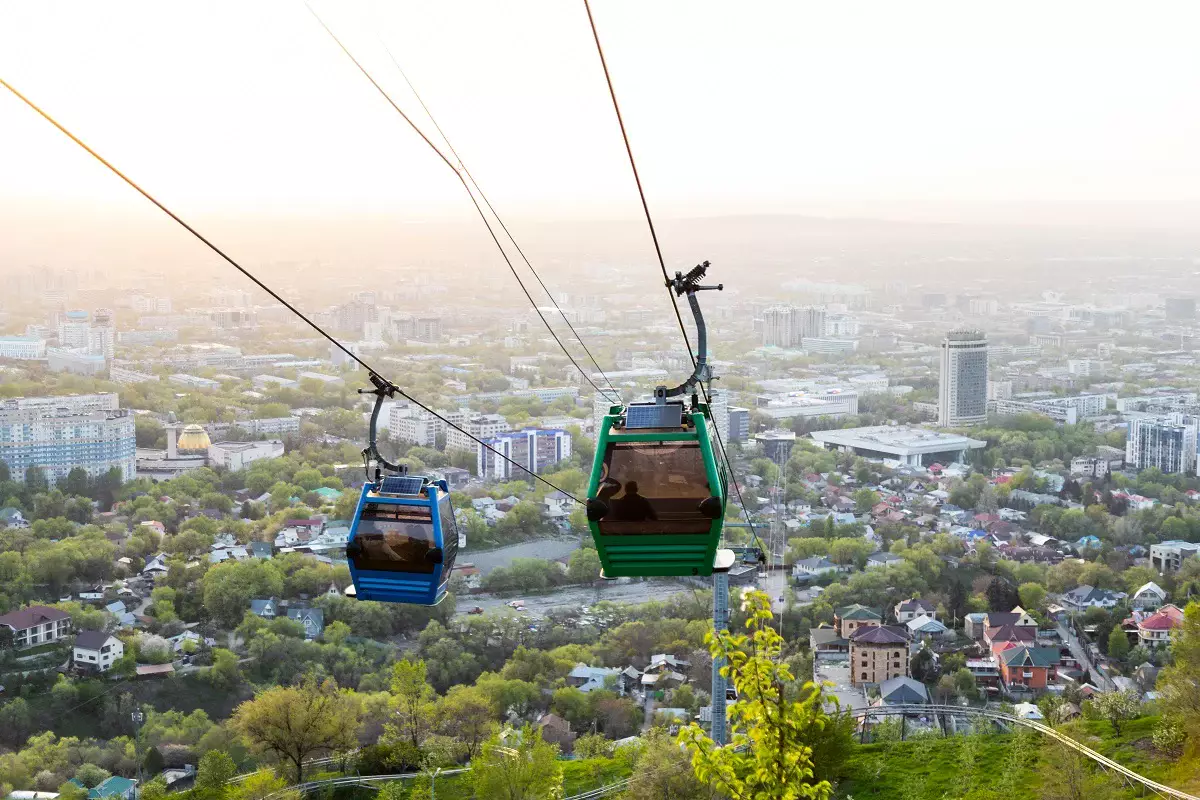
(653, 415)
(401, 484)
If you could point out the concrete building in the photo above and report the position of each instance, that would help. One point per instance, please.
(1168, 443)
(835, 402)
(74, 361)
(824, 345)
(878, 653)
(788, 326)
(1067, 410)
(1169, 556)
(415, 425)
(999, 390)
(238, 455)
(480, 426)
(193, 381)
(913, 446)
(268, 426)
(962, 386)
(101, 334)
(126, 376)
(68, 432)
(73, 330)
(533, 448)
(739, 424)
(777, 445)
(22, 348)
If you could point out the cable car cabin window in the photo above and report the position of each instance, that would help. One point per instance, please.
(449, 535)
(654, 487)
(395, 538)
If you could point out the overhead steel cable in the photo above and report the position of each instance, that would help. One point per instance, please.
(462, 179)
(393, 388)
(612, 92)
(495, 214)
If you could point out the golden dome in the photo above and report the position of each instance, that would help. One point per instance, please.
(193, 438)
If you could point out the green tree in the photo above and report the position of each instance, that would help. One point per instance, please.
(155, 789)
(663, 771)
(412, 699)
(229, 587)
(224, 672)
(1032, 595)
(523, 768)
(215, 769)
(1180, 681)
(467, 714)
(293, 723)
(1118, 644)
(770, 729)
(584, 566)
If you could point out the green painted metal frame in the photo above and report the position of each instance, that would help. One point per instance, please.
(694, 553)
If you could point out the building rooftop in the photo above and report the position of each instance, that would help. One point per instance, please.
(900, 439)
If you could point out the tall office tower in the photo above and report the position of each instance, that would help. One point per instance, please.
(100, 335)
(962, 389)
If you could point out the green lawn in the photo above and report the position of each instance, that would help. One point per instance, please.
(39, 649)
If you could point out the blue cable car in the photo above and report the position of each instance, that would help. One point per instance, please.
(403, 538)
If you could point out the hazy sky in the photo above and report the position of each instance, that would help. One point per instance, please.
(1035, 111)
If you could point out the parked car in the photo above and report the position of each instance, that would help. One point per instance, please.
(475, 610)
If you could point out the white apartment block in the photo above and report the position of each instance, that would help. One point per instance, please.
(480, 426)
(962, 388)
(1168, 443)
(126, 376)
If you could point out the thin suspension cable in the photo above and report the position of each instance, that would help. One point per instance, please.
(495, 214)
(266, 288)
(612, 92)
(637, 178)
(466, 186)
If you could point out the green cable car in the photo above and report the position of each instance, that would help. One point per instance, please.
(656, 499)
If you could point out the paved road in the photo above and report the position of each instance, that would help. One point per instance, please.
(1079, 650)
(577, 597)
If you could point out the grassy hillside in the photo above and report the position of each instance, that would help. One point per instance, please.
(1011, 765)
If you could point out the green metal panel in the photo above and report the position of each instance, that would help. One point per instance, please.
(658, 554)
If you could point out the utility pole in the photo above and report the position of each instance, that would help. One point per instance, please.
(138, 718)
(719, 682)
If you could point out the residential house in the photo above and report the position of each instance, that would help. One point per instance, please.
(125, 617)
(882, 559)
(827, 640)
(585, 678)
(878, 653)
(848, 619)
(1084, 597)
(261, 550)
(1157, 629)
(1027, 711)
(156, 566)
(267, 609)
(908, 610)
(924, 627)
(557, 730)
(903, 691)
(1149, 597)
(96, 651)
(35, 625)
(1018, 617)
(235, 553)
(1027, 668)
(1000, 637)
(974, 625)
(11, 517)
(814, 567)
(1146, 677)
(313, 620)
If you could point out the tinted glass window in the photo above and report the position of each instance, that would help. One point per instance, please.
(395, 538)
(654, 487)
(449, 535)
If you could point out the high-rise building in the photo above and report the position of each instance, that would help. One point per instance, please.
(535, 449)
(1168, 443)
(962, 388)
(101, 334)
(73, 330)
(739, 424)
(786, 326)
(480, 426)
(59, 434)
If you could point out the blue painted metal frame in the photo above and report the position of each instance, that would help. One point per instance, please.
(405, 587)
